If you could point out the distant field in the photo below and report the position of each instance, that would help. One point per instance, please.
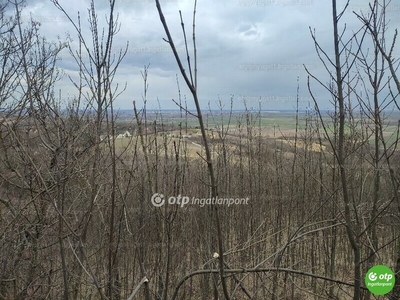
(276, 125)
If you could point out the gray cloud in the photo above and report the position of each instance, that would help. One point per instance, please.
(252, 49)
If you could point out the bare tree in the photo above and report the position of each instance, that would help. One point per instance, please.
(97, 74)
(376, 23)
(341, 97)
(191, 82)
(352, 150)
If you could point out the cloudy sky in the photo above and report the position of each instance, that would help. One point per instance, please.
(248, 49)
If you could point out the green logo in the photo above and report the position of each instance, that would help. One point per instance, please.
(379, 280)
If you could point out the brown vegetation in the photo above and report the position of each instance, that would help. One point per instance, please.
(77, 221)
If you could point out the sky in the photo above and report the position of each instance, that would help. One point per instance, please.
(250, 51)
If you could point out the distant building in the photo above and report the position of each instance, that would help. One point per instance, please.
(126, 134)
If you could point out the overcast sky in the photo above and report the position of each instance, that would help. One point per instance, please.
(250, 49)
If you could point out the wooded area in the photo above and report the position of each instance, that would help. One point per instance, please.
(75, 211)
